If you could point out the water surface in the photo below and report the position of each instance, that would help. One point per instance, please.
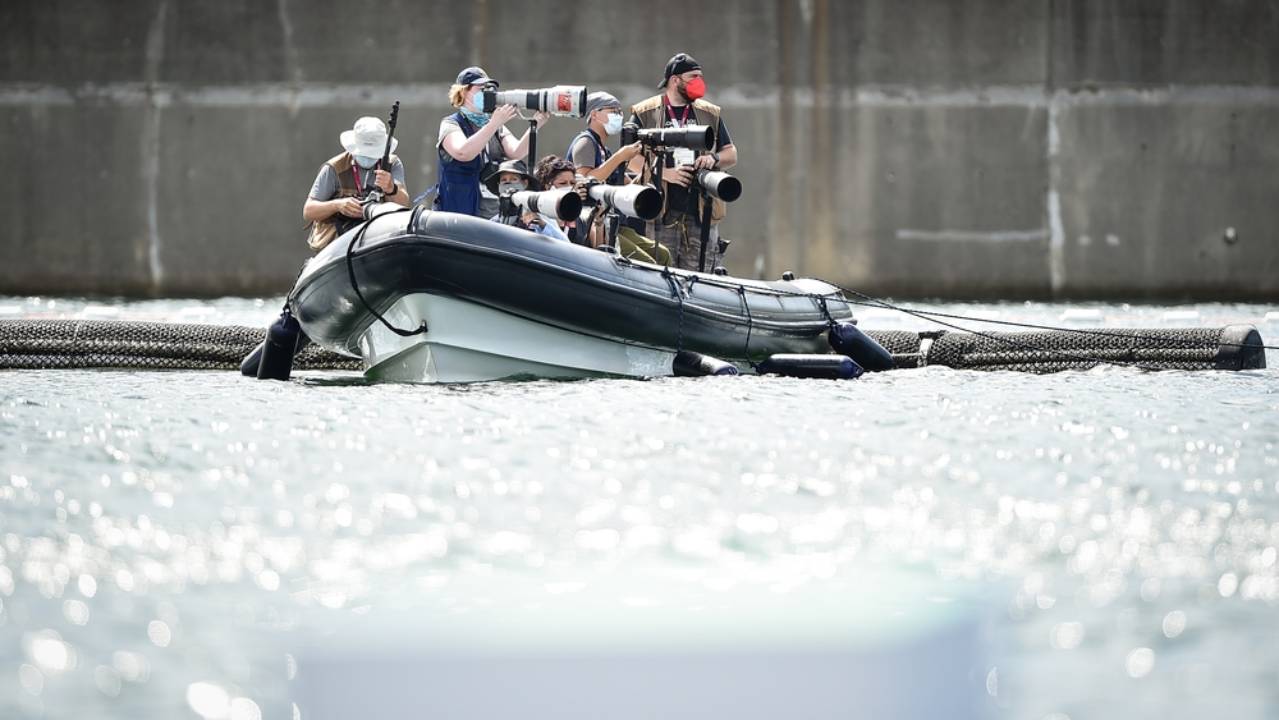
(161, 531)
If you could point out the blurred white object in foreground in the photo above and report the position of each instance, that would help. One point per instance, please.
(863, 645)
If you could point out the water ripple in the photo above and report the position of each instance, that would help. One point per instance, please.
(155, 527)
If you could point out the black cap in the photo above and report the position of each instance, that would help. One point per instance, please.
(474, 75)
(510, 166)
(599, 100)
(679, 64)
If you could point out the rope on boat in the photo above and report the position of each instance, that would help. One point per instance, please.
(350, 274)
(1058, 355)
(864, 300)
(750, 323)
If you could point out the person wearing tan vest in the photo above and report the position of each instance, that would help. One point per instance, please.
(679, 227)
(333, 205)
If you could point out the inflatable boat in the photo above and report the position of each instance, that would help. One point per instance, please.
(420, 296)
(425, 296)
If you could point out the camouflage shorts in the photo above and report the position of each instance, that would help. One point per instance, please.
(684, 239)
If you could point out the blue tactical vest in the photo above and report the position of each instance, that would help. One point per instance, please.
(602, 154)
(459, 182)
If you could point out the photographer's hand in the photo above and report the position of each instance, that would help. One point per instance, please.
(682, 175)
(704, 162)
(532, 221)
(541, 117)
(626, 152)
(503, 115)
(383, 180)
(350, 207)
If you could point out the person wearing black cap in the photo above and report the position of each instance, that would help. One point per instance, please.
(472, 140)
(587, 150)
(679, 227)
(510, 177)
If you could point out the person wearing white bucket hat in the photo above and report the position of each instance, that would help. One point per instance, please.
(333, 205)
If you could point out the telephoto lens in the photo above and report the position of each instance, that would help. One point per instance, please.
(693, 137)
(563, 100)
(563, 204)
(642, 202)
(719, 184)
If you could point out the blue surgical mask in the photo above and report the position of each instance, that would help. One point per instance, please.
(366, 161)
(614, 124)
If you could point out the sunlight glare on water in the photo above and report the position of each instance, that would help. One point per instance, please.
(164, 534)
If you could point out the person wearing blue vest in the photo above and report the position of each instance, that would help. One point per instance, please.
(472, 140)
(587, 150)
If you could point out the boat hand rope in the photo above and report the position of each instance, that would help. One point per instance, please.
(931, 315)
(821, 302)
(679, 298)
(750, 322)
(995, 338)
(350, 271)
(1007, 341)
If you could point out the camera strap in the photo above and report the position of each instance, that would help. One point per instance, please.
(601, 154)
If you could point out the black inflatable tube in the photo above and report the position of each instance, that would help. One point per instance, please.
(558, 284)
(848, 339)
(818, 367)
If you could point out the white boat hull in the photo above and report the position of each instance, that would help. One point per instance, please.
(467, 342)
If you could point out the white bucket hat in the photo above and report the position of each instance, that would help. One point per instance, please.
(367, 137)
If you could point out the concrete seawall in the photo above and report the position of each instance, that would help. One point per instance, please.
(992, 148)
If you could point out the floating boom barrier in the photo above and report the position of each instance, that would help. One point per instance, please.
(84, 344)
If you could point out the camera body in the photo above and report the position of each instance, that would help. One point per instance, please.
(372, 206)
(693, 137)
(562, 100)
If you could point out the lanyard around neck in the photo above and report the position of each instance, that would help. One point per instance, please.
(355, 172)
(683, 117)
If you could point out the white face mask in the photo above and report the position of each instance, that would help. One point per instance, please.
(613, 125)
(366, 161)
(507, 188)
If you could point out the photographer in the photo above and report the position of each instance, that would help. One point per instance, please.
(587, 149)
(333, 206)
(471, 142)
(553, 173)
(679, 228)
(512, 177)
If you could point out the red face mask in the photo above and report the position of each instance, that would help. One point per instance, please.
(694, 89)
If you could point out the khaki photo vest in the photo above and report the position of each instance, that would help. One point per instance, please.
(324, 232)
(650, 113)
